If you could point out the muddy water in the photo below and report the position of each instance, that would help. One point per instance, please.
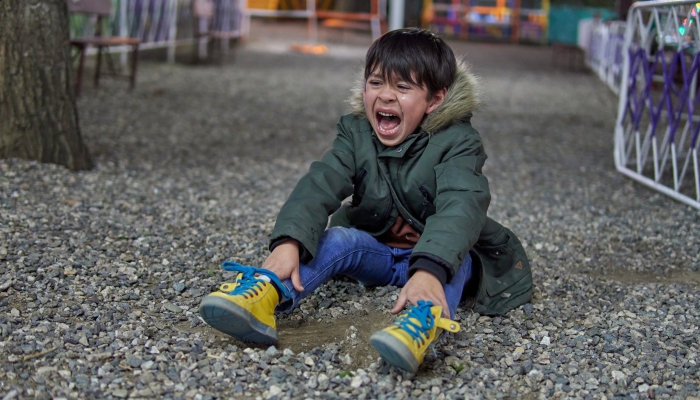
(350, 332)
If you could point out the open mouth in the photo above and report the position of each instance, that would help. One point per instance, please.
(387, 123)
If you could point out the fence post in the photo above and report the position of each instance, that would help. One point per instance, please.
(123, 29)
(172, 34)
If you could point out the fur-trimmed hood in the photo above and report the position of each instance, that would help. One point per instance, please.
(461, 100)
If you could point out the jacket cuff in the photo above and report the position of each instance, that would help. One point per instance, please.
(425, 264)
(304, 255)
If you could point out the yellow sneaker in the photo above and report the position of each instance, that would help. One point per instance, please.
(404, 344)
(245, 309)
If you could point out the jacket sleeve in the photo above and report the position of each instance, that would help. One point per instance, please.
(319, 193)
(461, 203)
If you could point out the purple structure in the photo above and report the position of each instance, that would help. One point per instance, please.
(656, 134)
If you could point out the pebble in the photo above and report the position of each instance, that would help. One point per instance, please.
(172, 307)
(179, 287)
(103, 270)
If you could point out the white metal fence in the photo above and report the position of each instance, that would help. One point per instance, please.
(654, 69)
(604, 52)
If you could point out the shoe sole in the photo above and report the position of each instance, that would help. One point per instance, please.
(234, 320)
(394, 352)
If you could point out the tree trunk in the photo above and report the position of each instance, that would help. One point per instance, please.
(38, 114)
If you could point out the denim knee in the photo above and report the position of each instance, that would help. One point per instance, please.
(339, 237)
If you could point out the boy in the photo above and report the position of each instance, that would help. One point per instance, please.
(412, 162)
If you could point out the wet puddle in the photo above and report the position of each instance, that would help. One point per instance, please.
(351, 332)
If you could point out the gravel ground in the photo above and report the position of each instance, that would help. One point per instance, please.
(103, 271)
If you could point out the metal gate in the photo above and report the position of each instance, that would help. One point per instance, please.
(658, 120)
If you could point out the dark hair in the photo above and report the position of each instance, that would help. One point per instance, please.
(400, 52)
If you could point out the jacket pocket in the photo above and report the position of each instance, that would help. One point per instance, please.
(518, 294)
(504, 265)
(450, 178)
(505, 276)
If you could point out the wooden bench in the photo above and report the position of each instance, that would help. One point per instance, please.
(99, 9)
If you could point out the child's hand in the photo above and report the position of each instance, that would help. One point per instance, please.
(422, 286)
(284, 262)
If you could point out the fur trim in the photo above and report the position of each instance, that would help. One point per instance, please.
(461, 100)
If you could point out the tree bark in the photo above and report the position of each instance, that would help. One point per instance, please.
(38, 114)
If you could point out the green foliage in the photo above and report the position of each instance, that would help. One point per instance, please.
(211, 271)
(457, 367)
(345, 374)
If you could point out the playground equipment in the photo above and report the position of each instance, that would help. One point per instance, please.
(658, 120)
(514, 20)
(533, 22)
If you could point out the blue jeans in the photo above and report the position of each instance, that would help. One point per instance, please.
(358, 255)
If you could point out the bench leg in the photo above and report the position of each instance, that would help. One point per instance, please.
(99, 65)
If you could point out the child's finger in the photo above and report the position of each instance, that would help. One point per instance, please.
(296, 280)
(400, 304)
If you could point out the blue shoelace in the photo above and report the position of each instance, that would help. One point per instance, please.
(421, 313)
(248, 284)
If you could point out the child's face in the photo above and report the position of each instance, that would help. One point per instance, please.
(395, 108)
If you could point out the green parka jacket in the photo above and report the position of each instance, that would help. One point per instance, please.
(433, 180)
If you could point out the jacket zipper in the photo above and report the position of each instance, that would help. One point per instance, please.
(427, 198)
(356, 197)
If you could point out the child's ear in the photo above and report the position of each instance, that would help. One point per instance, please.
(437, 99)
